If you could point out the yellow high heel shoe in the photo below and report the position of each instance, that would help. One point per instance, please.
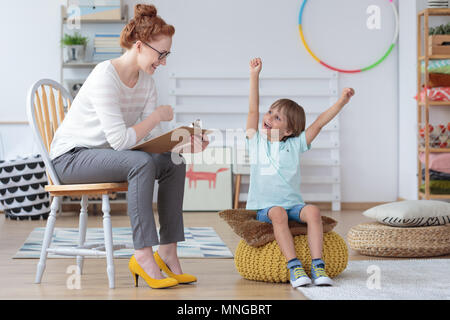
(181, 278)
(136, 270)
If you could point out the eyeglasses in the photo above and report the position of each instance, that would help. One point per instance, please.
(162, 55)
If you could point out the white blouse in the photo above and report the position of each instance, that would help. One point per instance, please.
(104, 110)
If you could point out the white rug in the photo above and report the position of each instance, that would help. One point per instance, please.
(412, 279)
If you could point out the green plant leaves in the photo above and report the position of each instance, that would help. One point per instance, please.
(75, 39)
(442, 29)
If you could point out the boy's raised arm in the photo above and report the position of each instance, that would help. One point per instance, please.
(253, 111)
(325, 117)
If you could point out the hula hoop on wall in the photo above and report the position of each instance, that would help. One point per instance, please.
(373, 65)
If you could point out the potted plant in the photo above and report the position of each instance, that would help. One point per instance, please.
(74, 47)
(439, 39)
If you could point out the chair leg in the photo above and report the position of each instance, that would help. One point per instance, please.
(82, 230)
(107, 230)
(237, 191)
(47, 238)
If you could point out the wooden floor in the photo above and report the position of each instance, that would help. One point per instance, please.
(217, 278)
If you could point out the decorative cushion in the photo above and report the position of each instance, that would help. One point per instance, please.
(438, 161)
(267, 263)
(411, 213)
(376, 239)
(257, 233)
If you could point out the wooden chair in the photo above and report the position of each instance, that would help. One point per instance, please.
(44, 116)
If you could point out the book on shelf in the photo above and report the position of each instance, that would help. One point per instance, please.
(106, 46)
(108, 43)
(98, 57)
(108, 50)
(107, 35)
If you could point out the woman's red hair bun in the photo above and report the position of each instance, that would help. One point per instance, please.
(145, 26)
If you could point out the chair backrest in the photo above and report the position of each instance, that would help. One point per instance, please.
(45, 114)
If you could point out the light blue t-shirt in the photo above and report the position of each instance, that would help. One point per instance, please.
(275, 171)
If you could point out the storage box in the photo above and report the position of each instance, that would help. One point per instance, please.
(439, 44)
(98, 9)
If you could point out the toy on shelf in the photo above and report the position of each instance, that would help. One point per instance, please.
(439, 136)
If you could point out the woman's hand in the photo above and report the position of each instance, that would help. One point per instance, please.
(198, 144)
(165, 113)
(162, 113)
(255, 66)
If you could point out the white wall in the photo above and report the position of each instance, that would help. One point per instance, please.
(219, 37)
(30, 51)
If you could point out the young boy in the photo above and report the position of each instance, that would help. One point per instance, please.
(274, 191)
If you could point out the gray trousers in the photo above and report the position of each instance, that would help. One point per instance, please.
(140, 169)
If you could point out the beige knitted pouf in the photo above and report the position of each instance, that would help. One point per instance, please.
(376, 239)
(267, 263)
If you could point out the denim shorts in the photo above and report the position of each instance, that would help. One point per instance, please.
(293, 213)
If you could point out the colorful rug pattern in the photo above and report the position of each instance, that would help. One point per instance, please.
(200, 242)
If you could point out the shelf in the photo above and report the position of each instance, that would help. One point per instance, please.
(441, 150)
(242, 93)
(435, 196)
(79, 64)
(246, 77)
(92, 21)
(435, 12)
(435, 103)
(436, 57)
(423, 55)
(63, 21)
(13, 122)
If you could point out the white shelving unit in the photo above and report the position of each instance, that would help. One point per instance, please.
(88, 22)
(86, 66)
(221, 102)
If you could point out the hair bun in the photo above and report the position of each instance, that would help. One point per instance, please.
(146, 25)
(144, 10)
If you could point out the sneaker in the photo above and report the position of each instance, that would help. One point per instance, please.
(320, 278)
(299, 278)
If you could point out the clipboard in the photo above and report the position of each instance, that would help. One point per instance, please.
(166, 142)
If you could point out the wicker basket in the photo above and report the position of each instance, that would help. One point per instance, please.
(376, 239)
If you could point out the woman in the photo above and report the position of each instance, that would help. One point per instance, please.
(115, 109)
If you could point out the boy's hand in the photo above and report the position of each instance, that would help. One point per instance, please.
(347, 93)
(255, 66)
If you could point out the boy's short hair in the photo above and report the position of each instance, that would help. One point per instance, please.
(295, 115)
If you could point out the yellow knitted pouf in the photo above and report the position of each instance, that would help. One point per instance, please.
(267, 263)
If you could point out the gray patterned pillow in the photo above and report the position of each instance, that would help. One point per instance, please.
(411, 213)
